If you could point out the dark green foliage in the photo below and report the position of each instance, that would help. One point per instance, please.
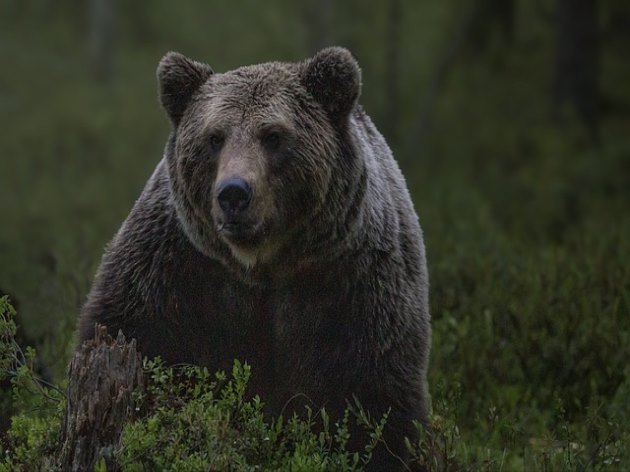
(34, 430)
(195, 421)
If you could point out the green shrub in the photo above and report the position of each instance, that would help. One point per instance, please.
(38, 406)
(191, 420)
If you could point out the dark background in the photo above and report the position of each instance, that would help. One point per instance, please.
(510, 119)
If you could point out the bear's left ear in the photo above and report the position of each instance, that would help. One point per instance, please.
(333, 78)
(178, 79)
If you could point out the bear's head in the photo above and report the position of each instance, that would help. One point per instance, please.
(260, 159)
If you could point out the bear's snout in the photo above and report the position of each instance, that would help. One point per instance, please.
(234, 196)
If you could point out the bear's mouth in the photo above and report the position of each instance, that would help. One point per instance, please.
(242, 233)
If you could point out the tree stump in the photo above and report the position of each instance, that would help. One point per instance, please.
(102, 376)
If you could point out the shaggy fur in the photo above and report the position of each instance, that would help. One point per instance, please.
(325, 292)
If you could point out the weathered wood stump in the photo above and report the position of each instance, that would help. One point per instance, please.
(102, 376)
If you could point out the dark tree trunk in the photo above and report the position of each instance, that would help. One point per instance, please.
(103, 375)
(445, 62)
(577, 65)
(101, 21)
(318, 17)
(392, 71)
(491, 16)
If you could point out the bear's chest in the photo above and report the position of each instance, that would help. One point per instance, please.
(290, 336)
(226, 319)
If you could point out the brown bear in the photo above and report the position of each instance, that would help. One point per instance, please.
(277, 229)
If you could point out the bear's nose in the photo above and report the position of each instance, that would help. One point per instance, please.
(234, 196)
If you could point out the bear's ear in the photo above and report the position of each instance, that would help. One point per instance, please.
(178, 79)
(333, 78)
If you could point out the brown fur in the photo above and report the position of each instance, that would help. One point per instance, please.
(325, 291)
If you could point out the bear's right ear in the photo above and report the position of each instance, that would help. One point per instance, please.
(333, 78)
(178, 79)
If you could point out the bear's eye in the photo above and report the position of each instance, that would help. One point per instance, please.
(216, 141)
(272, 140)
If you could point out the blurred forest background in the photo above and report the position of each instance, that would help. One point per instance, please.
(510, 119)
